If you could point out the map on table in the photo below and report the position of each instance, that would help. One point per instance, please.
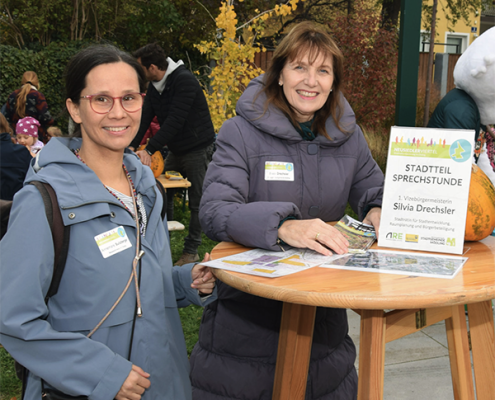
(273, 264)
(270, 263)
(402, 263)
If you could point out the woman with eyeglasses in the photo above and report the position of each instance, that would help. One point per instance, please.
(112, 330)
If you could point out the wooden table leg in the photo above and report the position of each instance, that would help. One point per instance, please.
(371, 355)
(483, 346)
(460, 359)
(294, 351)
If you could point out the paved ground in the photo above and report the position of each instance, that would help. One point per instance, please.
(416, 366)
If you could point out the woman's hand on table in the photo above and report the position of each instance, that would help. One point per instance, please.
(313, 234)
(144, 157)
(203, 278)
(373, 218)
(135, 384)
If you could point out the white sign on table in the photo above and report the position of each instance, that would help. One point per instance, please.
(426, 189)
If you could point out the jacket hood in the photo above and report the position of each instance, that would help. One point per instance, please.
(73, 181)
(251, 104)
(172, 66)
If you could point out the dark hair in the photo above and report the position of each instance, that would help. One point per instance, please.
(306, 37)
(4, 125)
(83, 63)
(152, 54)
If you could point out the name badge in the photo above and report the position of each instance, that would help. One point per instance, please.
(279, 171)
(113, 241)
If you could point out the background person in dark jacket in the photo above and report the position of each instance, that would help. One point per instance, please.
(176, 98)
(14, 162)
(293, 120)
(28, 101)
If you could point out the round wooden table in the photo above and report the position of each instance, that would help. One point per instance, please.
(416, 302)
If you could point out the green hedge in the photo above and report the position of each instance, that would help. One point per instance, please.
(49, 63)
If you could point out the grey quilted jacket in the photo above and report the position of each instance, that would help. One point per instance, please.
(236, 353)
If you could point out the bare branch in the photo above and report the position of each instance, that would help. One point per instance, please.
(202, 5)
(17, 33)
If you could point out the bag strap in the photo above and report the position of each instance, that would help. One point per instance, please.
(61, 238)
(5, 206)
(164, 195)
(60, 234)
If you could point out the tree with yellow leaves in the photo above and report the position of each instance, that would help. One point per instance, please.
(234, 50)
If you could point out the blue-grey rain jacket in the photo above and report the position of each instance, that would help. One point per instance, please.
(237, 348)
(51, 341)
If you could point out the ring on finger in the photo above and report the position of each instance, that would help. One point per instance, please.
(316, 237)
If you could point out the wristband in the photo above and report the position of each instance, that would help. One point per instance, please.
(149, 152)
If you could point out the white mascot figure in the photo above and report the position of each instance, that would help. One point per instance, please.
(475, 74)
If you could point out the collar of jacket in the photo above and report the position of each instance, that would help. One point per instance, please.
(5, 137)
(251, 104)
(172, 66)
(75, 183)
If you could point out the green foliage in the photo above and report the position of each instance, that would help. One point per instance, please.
(177, 237)
(191, 319)
(10, 386)
(175, 24)
(370, 67)
(190, 316)
(13, 63)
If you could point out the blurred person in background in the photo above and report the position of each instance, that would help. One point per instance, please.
(176, 98)
(14, 162)
(53, 131)
(29, 101)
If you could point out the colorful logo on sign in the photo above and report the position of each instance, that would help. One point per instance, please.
(461, 151)
(420, 147)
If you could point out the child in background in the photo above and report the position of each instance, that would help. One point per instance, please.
(53, 131)
(26, 132)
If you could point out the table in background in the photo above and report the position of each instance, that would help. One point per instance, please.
(173, 183)
(416, 302)
(176, 184)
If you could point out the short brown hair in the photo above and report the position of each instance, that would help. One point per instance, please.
(306, 37)
(54, 131)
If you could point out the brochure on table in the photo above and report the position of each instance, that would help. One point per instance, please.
(272, 264)
(359, 235)
(402, 263)
(426, 189)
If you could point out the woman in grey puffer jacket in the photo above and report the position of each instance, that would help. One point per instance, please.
(292, 158)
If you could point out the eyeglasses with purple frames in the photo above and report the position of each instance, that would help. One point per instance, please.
(103, 104)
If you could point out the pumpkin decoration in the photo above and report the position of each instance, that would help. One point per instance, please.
(157, 162)
(480, 220)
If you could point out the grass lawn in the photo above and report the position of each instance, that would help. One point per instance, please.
(10, 386)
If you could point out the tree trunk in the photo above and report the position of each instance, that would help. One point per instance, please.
(429, 73)
(350, 7)
(75, 20)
